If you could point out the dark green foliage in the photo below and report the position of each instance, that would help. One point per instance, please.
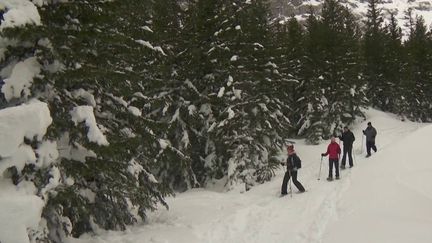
(418, 69)
(189, 92)
(335, 93)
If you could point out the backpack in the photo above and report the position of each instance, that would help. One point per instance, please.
(298, 163)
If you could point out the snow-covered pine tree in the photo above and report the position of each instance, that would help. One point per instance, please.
(96, 64)
(419, 64)
(253, 122)
(175, 95)
(373, 56)
(288, 55)
(332, 54)
(393, 68)
(311, 125)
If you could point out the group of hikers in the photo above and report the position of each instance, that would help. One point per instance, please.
(293, 161)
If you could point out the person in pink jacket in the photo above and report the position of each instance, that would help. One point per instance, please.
(333, 151)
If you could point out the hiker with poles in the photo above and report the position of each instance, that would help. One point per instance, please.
(333, 151)
(293, 163)
(348, 139)
(370, 133)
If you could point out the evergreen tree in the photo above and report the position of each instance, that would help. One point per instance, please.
(312, 127)
(260, 120)
(336, 94)
(393, 74)
(289, 59)
(96, 62)
(418, 68)
(373, 54)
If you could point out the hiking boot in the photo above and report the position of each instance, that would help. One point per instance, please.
(329, 178)
(351, 166)
(367, 156)
(337, 178)
(342, 167)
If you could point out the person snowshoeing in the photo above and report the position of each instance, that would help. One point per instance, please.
(333, 151)
(370, 133)
(293, 163)
(348, 139)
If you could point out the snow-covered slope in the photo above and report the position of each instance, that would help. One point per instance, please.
(385, 198)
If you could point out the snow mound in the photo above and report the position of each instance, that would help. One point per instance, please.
(20, 208)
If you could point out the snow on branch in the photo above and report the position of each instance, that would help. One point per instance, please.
(21, 78)
(149, 45)
(19, 13)
(16, 123)
(85, 113)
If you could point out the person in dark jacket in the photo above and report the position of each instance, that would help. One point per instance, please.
(293, 163)
(2, 12)
(348, 139)
(370, 133)
(333, 151)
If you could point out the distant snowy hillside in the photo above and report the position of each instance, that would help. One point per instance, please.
(385, 198)
(300, 8)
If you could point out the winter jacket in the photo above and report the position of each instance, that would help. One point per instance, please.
(333, 151)
(347, 138)
(2, 12)
(370, 134)
(293, 162)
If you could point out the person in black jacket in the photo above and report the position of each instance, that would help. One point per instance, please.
(370, 133)
(293, 164)
(348, 139)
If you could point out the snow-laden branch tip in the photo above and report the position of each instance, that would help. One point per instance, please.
(21, 79)
(85, 114)
(19, 13)
(149, 45)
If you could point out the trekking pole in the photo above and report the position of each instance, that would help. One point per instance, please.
(361, 147)
(319, 173)
(355, 157)
(290, 183)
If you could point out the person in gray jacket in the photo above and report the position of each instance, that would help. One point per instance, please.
(370, 133)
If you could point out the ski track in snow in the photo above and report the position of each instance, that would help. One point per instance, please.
(260, 215)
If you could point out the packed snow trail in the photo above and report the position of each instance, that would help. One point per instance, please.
(328, 212)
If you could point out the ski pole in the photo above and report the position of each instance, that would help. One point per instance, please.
(290, 183)
(319, 173)
(355, 157)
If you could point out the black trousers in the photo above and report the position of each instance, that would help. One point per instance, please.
(370, 145)
(347, 149)
(294, 180)
(335, 163)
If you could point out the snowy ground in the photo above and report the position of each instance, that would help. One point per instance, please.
(385, 198)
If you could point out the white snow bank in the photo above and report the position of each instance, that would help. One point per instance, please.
(19, 211)
(85, 113)
(20, 208)
(19, 13)
(21, 79)
(17, 123)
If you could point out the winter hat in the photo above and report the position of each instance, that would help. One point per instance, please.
(290, 148)
(369, 124)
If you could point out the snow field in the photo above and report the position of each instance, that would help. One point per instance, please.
(382, 199)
